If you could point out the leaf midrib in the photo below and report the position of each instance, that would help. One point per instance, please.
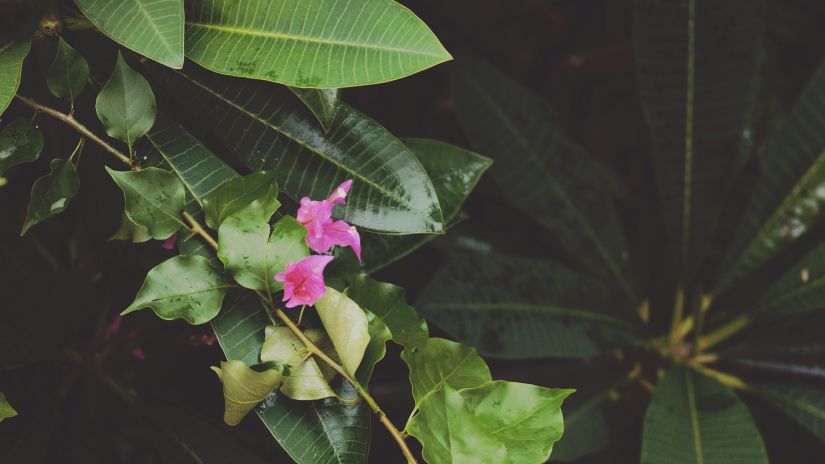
(694, 418)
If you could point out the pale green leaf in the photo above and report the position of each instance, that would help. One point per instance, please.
(183, 287)
(306, 380)
(19, 143)
(126, 104)
(154, 198)
(322, 102)
(376, 349)
(52, 193)
(310, 43)
(69, 72)
(388, 302)
(244, 388)
(12, 54)
(153, 28)
(347, 327)
(6, 411)
(235, 194)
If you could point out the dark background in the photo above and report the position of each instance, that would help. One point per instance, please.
(65, 281)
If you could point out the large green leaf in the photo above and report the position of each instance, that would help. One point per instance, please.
(235, 195)
(698, 67)
(52, 193)
(319, 431)
(788, 198)
(389, 303)
(126, 104)
(153, 28)
(69, 73)
(12, 54)
(6, 411)
(322, 102)
(154, 199)
(347, 327)
(695, 419)
(804, 405)
(801, 289)
(183, 287)
(514, 307)
(317, 43)
(19, 143)
(454, 173)
(266, 127)
(543, 172)
(244, 388)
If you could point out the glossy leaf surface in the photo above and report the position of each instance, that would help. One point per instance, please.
(154, 199)
(322, 102)
(19, 143)
(52, 193)
(12, 54)
(126, 104)
(236, 194)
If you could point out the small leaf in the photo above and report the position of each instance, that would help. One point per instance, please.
(306, 379)
(154, 199)
(244, 388)
(153, 28)
(12, 54)
(443, 362)
(126, 104)
(376, 349)
(19, 143)
(69, 72)
(347, 327)
(52, 193)
(234, 195)
(128, 230)
(183, 287)
(389, 304)
(6, 411)
(322, 102)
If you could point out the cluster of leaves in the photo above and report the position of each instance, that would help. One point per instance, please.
(698, 67)
(302, 138)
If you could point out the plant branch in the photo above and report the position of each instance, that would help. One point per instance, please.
(70, 121)
(723, 333)
(198, 229)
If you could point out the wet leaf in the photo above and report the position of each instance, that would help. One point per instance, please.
(244, 387)
(322, 102)
(52, 193)
(154, 199)
(126, 104)
(235, 194)
(19, 143)
(388, 302)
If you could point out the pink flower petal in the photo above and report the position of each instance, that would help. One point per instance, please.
(169, 243)
(339, 195)
(304, 280)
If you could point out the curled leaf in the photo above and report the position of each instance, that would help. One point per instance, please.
(306, 380)
(244, 387)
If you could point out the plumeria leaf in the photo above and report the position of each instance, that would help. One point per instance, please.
(12, 54)
(52, 193)
(153, 28)
(234, 195)
(19, 143)
(69, 72)
(183, 287)
(6, 411)
(154, 198)
(306, 380)
(376, 349)
(326, 44)
(443, 362)
(130, 231)
(347, 327)
(388, 302)
(322, 102)
(693, 418)
(801, 289)
(244, 387)
(126, 104)
(804, 405)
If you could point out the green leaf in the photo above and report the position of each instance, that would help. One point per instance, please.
(154, 198)
(69, 72)
(19, 143)
(268, 129)
(324, 44)
(347, 327)
(322, 102)
(126, 104)
(454, 173)
(52, 193)
(506, 306)
(388, 302)
(12, 54)
(802, 289)
(306, 380)
(153, 28)
(443, 362)
(253, 254)
(787, 199)
(244, 388)
(586, 431)
(804, 405)
(130, 231)
(699, 69)
(234, 195)
(183, 287)
(376, 349)
(6, 411)
(695, 419)
(551, 178)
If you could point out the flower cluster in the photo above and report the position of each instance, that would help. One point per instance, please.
(304, 280)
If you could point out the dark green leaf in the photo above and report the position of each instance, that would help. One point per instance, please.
(69, 72)
(586, 432)
(800, 290)
(698, 66)
(543, 172)
(389, 303)
(19, 143)
(804, 405)
(324, 44)
(126, 104)
(6, 411)
(154, 199)
(12, 54)
(376, 349)
(695, 419)
(183, 287)
(322, 102)
(52, 193)
(236, 194)
(244, 388)
(507, 307)
(153, 28)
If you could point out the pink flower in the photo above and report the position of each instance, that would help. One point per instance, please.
(304, 280)
(169, 243)
(322, 232)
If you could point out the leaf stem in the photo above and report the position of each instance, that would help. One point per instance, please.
(198, 229)
(80, 128)
(724, 332)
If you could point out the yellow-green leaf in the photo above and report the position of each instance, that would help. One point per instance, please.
(347, 327)
(244, 388)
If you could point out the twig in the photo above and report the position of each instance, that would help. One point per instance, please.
(198, 229)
